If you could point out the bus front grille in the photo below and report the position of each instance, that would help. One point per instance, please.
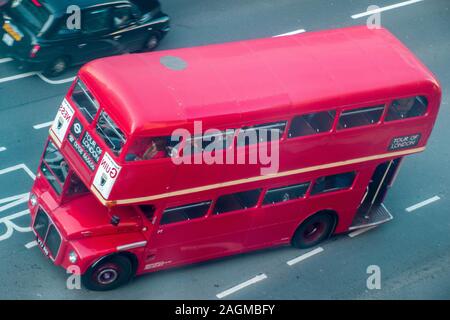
(47, 235)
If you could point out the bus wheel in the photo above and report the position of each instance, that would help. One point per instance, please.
(313, 230)
(109, 274)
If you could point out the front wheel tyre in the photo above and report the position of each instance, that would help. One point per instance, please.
(57, 67)
(108, 274)
(313, 230)
(151, 43)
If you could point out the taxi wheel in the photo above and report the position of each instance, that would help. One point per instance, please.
(109, 274)
(313, 230)
(57, 67)
(152, 42)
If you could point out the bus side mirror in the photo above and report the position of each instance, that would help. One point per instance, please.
(115, 220)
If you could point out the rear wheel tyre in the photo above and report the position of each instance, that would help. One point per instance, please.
(57, 67)
(108, 274)
(313, 231)
(151, 43)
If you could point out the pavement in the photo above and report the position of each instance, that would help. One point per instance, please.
(412, 252)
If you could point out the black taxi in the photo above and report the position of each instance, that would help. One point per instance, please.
(51, 35)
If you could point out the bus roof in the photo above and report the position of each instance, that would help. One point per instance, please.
(154, 91)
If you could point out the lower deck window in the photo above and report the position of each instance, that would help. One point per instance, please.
(286, 193)
(183, 213)
(333, 183)
(237, 201)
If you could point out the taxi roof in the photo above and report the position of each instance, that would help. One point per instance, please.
(233, 82)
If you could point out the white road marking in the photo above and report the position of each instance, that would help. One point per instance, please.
(241, 286)
(305, 256)
(393, 6)
(11, 226)
(18, 167)
(423, 203)
(42, 125)
(2, 149)
(13, 201)
(4, 60)
(360, 231)
(17, 76)
(291, 33)
(54, 82)
(31, 244)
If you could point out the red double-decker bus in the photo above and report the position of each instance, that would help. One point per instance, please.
(343, 108)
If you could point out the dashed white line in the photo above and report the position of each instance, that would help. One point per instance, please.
(305, 256)
(31, 244)
(62, 81)
(423, 203)
(2, 149)
(393, 6)
(360, 231)
(42, 125)
(4, 60)
(17, 76)
(291, 33)
(241, 286)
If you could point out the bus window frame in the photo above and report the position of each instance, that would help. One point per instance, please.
(426, 114)
(362, 106)
(62, 197)
(333, 192)
(316, 135)
(246, 147)
(306, 195)
(169, 205)
(227, 213)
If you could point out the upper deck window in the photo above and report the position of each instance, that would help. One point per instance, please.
(207, 143)
(85, 101)
(148, 148)
(407, 108)
(261, 133)
(110, 133)
(360, 117)
(312, 123)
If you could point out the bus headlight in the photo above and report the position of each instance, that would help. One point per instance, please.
(33, 199)
(73, 258)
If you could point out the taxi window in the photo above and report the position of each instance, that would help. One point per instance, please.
(97, 20)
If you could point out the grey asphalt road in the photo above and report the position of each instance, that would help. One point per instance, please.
(412, 251)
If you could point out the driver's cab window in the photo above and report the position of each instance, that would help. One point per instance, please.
(122, 16)
(97, 20)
